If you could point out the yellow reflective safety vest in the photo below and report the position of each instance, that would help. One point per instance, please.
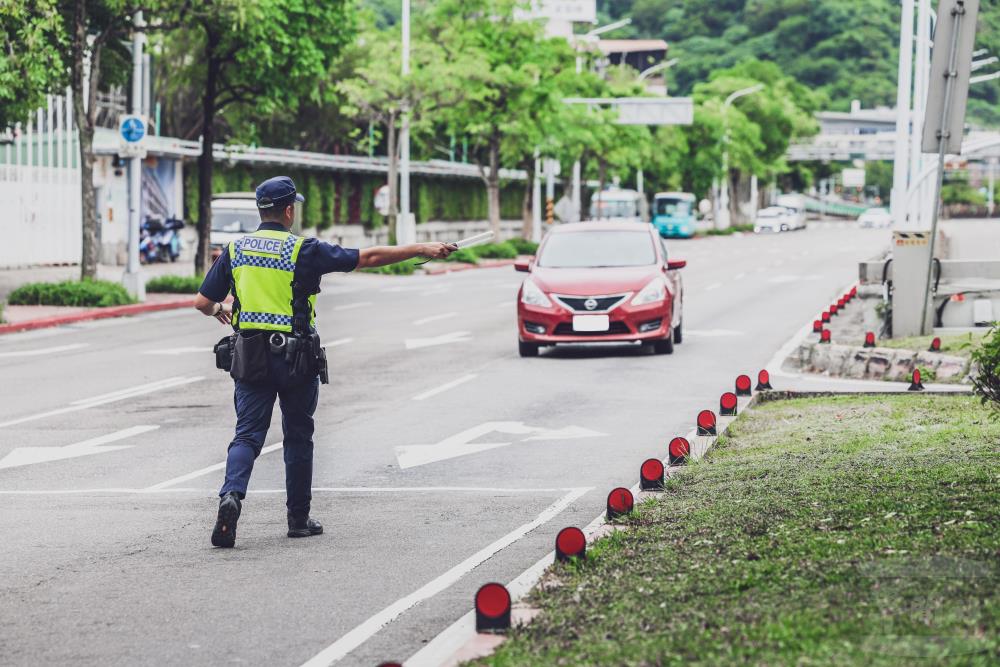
(263, 266)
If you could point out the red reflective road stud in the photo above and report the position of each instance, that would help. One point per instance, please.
(915, 383)
(620, 502)
(824, 336)
(743, 385)
(678, 450)
(870, 339)
(651, 475)
(727, 404)
(492, 608)
(841, 302)
(570, 543)
(854, 291)
(817, 326)
(833, 309)
(390, 664)
(763, 381)
(706, 423)
(935, 345)
(824, 316)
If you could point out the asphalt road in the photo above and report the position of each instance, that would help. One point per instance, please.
(105, 554)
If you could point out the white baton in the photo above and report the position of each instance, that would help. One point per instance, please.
(475, 240)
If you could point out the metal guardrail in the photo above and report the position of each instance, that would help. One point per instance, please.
(848, 209)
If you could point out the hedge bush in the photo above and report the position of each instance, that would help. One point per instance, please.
(467, 255)
(505, 250)
(524, 246)
(100, 293)
(174, 284)
(398, 269)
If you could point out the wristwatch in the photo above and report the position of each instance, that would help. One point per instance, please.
(217, 310)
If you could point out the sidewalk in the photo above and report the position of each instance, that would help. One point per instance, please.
(11, 279)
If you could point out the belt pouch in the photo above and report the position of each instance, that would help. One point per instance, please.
(224, 353)
(250, 358)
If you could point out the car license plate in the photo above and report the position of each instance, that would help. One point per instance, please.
(591, 323)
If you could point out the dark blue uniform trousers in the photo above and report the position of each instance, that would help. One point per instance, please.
(254, 403)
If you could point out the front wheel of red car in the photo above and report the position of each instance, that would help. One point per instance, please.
(527, 349)
(679, 332)
(665, 346)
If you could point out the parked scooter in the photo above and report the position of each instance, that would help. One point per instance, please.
(159, 241)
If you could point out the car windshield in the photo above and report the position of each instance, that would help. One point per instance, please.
(235, 221)
(613, 209)
(577, 250)
(673, 207)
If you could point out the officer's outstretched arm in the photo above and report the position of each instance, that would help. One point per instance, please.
(381, 255)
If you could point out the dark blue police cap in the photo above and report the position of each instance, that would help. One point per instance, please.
(277, 191)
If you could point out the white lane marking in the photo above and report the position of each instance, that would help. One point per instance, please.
(175, 351)
(23, 456)
(712, 333)
(203, 471)
(338, 342)
(433, 318)
(316, 489)
(43, 350)
(445, 339)
(713, 286)
(460, 444)
(350, 306)
(444, 387)
(506, 304)
(94, 401)
(739, 276)
(362, 633)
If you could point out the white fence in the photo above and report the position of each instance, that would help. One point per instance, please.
(40, 189)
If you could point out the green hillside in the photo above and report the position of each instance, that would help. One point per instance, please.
(844, 48)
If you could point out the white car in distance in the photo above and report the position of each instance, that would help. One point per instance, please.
(875, 217)
(774, 219)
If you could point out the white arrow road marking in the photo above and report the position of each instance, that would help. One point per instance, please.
(444, 387)
(174, 351)
(433, 318)
(43, 350)
(362, 633)
(453, 337)
(460, 444)
(25, 456)
(349, 306)
(103, 399)
(713, 286)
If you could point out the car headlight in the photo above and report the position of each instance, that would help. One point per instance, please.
(532, 296)
(655, 290)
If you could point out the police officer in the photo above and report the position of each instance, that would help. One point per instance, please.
(274, 277)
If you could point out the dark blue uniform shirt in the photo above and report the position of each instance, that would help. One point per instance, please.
(315, 259)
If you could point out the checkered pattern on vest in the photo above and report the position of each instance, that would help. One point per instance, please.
(284, 263)
(265, 318)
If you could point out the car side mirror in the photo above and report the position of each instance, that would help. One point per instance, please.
(674, 264)
(523, 265)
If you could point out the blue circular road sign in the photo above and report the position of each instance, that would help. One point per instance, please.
(133, 129)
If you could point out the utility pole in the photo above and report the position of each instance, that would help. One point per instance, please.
(536, 201)
(406, 231)
(901, 161)
(722, 220)
(132, 279)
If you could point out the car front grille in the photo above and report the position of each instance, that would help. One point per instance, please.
(566, 329)
(603, 303)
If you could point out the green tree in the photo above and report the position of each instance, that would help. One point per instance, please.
(264, 54)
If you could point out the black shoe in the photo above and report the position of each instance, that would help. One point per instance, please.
(224, 534)
(303, 526)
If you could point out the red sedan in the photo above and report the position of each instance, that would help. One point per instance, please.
(600, 282)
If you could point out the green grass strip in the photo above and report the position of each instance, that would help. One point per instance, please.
(842, 530)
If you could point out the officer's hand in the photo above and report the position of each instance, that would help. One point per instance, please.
(225, 314)
(437, 250)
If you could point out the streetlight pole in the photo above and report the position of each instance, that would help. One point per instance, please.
(406, 231)
(576, 189)
(643, 75)
(133, 279)
(901, 155)
(722, 219)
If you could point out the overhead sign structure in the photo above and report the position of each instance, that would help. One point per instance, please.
(853, 178)
(132, 135)
(951, 65)
(644, 110)
(582, 11)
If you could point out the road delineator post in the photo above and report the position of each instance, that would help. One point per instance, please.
(869, 339)
(727, 404)
(935, 345)
(492, 603)
(817, 326)
(706, 423)
(651, 475)
(763, 381)
(915, 383)
(824, 317)
(854, 291)
(620, 503)
(678, 451)
(824, 336)
(570, 543)
(833, 310)
(743, 385)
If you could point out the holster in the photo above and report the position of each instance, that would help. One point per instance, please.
(224, 353)
(250, 357)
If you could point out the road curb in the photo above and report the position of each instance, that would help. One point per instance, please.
(95, 314)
